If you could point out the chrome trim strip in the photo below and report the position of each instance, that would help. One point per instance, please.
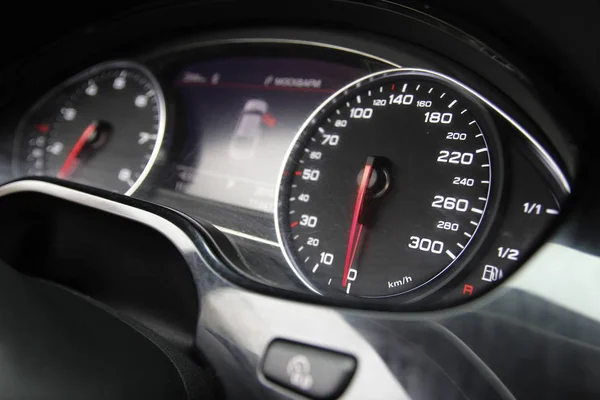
(246, 236)
(248, 320)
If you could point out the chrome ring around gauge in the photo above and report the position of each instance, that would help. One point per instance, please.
(103, 127)
(387, 185)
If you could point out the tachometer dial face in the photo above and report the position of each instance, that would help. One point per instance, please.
(103, 128)
(386, 186)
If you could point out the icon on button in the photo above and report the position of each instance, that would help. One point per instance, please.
(298, 369)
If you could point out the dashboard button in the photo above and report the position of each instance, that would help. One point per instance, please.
(314, 372)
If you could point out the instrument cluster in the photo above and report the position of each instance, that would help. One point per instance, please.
(379, 176)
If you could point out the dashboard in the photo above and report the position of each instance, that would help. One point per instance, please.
(401, 201)
(204, 127)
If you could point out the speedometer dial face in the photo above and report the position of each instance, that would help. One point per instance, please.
(103, 128)
(386, 186)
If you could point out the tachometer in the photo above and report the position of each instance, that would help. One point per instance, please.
(104, 127)
(387, 185)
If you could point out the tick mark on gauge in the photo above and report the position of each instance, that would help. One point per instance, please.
(472, 122)
(348, 103)
(474, 223)
(329, 283)
(460, 245)
(481, 150)
(294, 186)
(313, 139)
(321, 130)
(418, 87)
(381, 89)
(552, 211)
(298, 173)
(481, 134)
(292, 199)
(477, 210)
(463, 111)
(294, 224)
(393, 86)
(337, 112)
(296, 237)
(301, 161)
(452, 256)
(482, 198)
(369, 93)
(467, 234)
(300, 248)
(404, 88)
(442, 96)
(358, 99)
(430, 90)
(485, 182)
(306, 259)
(315, 268)
(348, 288)
(292, 212)
(485, 166)
(452, 104)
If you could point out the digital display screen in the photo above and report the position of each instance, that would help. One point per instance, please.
(241, 114)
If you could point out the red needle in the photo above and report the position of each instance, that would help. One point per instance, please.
(353, 237)
(72, 161)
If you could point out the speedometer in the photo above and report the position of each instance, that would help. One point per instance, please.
(387, 185)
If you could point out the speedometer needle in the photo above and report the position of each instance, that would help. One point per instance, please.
(356, 228)
(72, 159)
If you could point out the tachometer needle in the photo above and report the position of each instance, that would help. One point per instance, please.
(72, 159)
(356, 228)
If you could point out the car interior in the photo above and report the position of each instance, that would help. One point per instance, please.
(310, 199)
